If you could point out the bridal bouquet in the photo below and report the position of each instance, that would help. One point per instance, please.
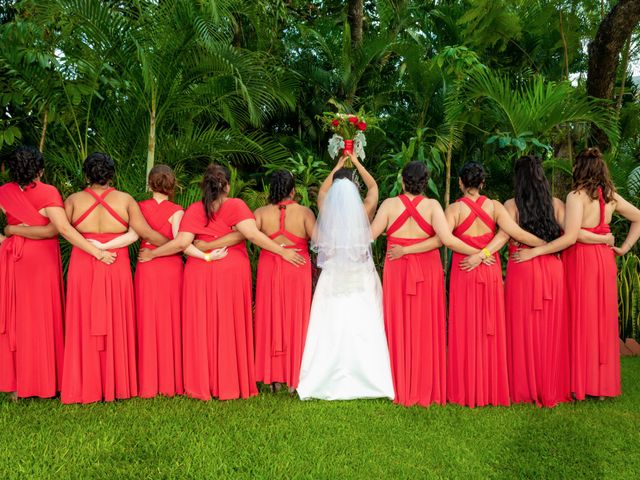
(348, 133)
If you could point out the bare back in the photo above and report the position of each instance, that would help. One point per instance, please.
(100, 219)
(591, 210)
(298, 220)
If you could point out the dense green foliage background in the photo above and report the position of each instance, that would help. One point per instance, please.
(241, 82)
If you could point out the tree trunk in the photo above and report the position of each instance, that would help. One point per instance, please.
(151, 148)
(355, 17)
(625, 65)
(43, 134)
(604, 53)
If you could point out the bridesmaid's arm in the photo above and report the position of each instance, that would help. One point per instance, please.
(443, 226)
(585, 236)
(120, 241)
(573, 221)
(495, 245)
(191, 250)
(511, 228)
(229, 240)
(178, 244)
(58, 217)
(631, 213)
(399, 251)
(140, 225)
(249, 229)
(34, 232)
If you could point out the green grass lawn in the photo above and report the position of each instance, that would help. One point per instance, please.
(274, 436)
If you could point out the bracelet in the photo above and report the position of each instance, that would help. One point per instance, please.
(207, 257)
(486, 252)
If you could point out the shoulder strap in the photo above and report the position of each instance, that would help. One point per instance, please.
(602, 206)
(100, 200)
(283, 215)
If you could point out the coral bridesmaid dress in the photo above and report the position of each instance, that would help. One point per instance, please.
(477, 350)
(100, 340)
(537, 331)
(592, 296)
(217, 328)
(415, 315)
(158, 289)
(31, 297)
(283, 302)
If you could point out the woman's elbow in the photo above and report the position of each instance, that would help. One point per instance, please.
(448, 242)
(183, 243)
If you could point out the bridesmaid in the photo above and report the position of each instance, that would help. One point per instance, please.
(100, 358)
(283, 291)
(413, 289)
(31, 286)
(477, 353)
(217, 322)
(591, 276)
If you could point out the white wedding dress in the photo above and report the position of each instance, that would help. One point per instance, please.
(346, 354)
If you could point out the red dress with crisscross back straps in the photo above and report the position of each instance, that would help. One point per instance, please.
(415, 315)
(158, 289)
(283, 302)
(537, 330)
(217, 327)
(100, 338)
(592, 298)
(31, 297)
(477, 347)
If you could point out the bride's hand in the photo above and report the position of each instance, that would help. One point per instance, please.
(341, 161)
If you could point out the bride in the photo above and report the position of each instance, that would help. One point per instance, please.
(346, 354)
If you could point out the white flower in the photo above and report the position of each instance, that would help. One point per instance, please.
(336, 144)
(359, 142)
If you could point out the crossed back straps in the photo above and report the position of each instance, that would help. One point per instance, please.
(100, 200)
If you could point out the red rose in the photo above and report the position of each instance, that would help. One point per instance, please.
(353, 120)
(335, 123)
(362, 126)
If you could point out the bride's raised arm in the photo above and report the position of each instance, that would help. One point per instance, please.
(326, 185)
(371, 200)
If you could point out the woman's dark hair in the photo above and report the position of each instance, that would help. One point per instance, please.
(282, 182)
(99, 168)
(25, 165)
(472, 175)
(215, 180)
(415, 176)
(348, 173)
(533, 199)
(590, 172)
(162, 180)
